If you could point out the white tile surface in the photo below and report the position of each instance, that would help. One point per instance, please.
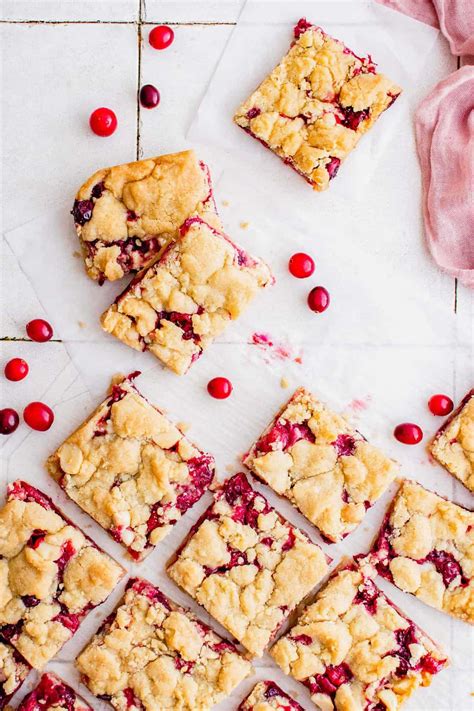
(390, 339)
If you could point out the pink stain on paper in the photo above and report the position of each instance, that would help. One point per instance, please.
(274, 350)
(360, 404)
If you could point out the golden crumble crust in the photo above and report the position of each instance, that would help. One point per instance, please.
(179, 305)
(316, 104)
(125, 214)
(453, 445)
(314, 458)
(13, 672)
(153, 654)
(353, 648)
(426, 547)
(267, 696)
(51, 575)
(247, 565)
(131, 469)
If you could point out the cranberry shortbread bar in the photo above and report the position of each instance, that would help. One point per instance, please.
(131, 469)
(53, 575)
(453, 445)
(316, 104)
(13, 672)
(247, 565)
(183, 301)
(355, 650)
(426, 547)
(125, 214)
(267, 696)
(53, 694)
(313, 457)
(152, 654)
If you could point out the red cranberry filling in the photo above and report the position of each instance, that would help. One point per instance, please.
(368, 597)
(284, 435)
(272, 690)
(430, 665)
(404, 639)
(236, 558)
(222, 646)
(50, 692)
(253, 112)
(240, 495)
(36, 538)
(67, 553)
(333, 166)
(301, 27)
(303, 639)
(30, 600)
(201, 472)
(333, 677)
(345, 445)
(182, 665)
(142, 587)
(24, 492)
(183, 321)
(131, 699)
(97, 190)
(352, 119)
(82, 211)
(290, 541)
(447, 566)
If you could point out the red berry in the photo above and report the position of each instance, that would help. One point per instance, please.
(161, 37)
(149, 96)
(219, 388)
(38, 416)
(408, 433)
(103, 121)
(8, 421)
(318, 299)
(16, 369)
(440, 404)
(301, 265)
(39, 330)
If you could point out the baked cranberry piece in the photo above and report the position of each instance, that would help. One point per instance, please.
(53, 693)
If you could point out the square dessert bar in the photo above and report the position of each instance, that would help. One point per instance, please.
(267, 696)
(313, 457)
(53, 575)
(152, 654)
(53, 694)
(131, 469)
(13, 672)
(181, 303)
(453, 445)
(125, 214)
(316, 104)
(354, 650)
(247, 565)
(426, 547)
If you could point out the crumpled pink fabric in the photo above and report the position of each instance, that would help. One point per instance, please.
(444, 128)
(455, 19)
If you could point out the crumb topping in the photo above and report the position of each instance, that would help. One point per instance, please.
(51, 575)
(177, 307)
(312, 456)
(132, 469)
(151, 653)
(247, 565)
(354, 650)
(13, 671)
(453, 445)
(267, 696)
(125, 214)
(316, 104)
(426, 547)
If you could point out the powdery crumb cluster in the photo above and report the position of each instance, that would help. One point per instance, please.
(247, 565)
(125, 214)
(426, 547)
(177, 307)
(453, 445)
(267, 696)
(150, 649)
(312, 456)
(316, 104)
(52, 575)
(355, 650)
(13, 671)
(132, 469)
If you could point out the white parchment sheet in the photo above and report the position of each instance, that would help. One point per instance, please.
(389, 340)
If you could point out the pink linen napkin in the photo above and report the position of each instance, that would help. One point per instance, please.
(444, 129)
(455, 19)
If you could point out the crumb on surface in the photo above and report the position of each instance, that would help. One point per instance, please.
(244, 225)
(284, 382)
(81, 324)
(76, 254)
(226, 203)
(183, 426)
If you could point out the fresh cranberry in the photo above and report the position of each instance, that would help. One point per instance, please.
(301, 265)
(39, 330)
(161, 37)
(440, 405)
(318, 299)
(220, 388)
(38, 416)
(149, 96)
(8, 420)
(408, 433)
(16, 369)
(103, 122)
